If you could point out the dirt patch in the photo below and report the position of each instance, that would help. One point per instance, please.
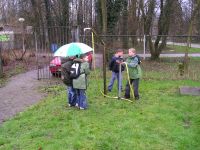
(20, 92)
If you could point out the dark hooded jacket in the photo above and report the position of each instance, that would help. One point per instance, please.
(114, 65)
(65, 72)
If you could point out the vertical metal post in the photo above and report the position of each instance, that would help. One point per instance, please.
(36, 51)
(23, 37)
(144, 47)
(119, 84)
(104, 70)
(94, 60)
(84, 37)
(77, 34)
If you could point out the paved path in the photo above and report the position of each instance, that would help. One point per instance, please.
(184, 44)
(19, 93)
(172, 55)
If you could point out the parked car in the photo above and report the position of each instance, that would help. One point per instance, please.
(55, 66)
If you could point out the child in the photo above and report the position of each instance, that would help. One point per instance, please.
(114, 67)
(65, 75)
(80, 84)
(133, 63)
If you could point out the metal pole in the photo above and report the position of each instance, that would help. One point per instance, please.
(36, 49)
(94, 61)
(144, 47)
(104, 59)
(119, 84)
(77, 34)
(84, 37)
(23, 37)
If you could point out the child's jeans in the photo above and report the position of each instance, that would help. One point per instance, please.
(81, 98)
(71, 95)
(112, 80)
(135, 83)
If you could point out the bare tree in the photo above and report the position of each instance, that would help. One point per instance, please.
(163, 25)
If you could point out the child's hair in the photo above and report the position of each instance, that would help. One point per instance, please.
(133, 50)
(119, 51)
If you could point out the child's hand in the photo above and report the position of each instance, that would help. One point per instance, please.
(117, 61)
(123, 63)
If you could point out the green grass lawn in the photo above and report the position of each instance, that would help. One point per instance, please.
(162, 119)
(180, 49)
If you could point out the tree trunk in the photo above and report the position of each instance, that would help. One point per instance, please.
(134, 21)
(163, 27)
(65, 20)
(48, 20)
(125, 24)
(186, 58)
(104, 16)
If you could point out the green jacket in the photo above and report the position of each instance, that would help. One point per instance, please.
(81, 82)
(134, 68)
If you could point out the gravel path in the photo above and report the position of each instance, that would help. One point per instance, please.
(19, 93)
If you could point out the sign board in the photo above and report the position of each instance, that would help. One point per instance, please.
(4, 38)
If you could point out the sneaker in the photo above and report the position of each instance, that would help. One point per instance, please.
(127, 97)
(77, 105)
(81, 108)
(137, 98)
(70, 105)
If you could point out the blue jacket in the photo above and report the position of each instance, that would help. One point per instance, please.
(114, 66)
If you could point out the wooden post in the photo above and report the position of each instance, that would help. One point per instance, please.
(104, 70)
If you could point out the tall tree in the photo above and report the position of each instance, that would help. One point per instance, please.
(166, 9)
(190, 30)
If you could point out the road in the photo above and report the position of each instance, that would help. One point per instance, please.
(184, 44)
(172, 55)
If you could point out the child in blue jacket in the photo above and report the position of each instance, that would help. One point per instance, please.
(116, 60)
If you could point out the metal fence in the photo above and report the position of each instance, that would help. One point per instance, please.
(34, 50)
(46, 43)
(16, 48)
(171, 56)
(41, 43)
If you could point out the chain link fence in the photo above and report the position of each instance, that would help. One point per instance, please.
(39, 48)
(171, 56)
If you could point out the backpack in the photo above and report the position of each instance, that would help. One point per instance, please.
(65, 73)
(75, 70)
(139, 59)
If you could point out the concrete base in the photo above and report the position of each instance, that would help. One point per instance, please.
(186, 90)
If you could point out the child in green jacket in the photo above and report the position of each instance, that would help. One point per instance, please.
(135, 73)
(80, 84)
